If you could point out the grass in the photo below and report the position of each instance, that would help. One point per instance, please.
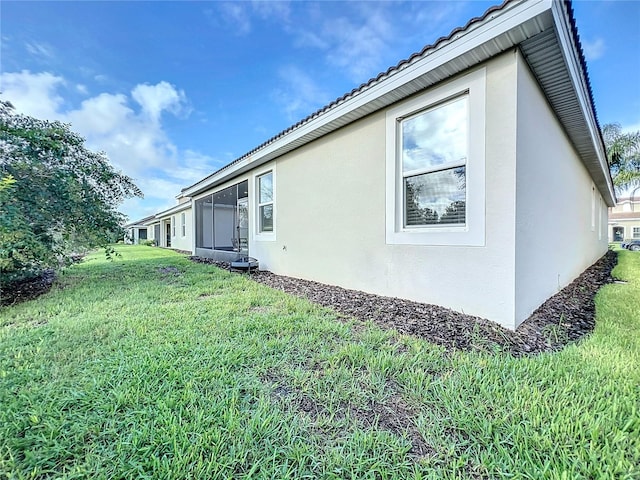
(155, 367)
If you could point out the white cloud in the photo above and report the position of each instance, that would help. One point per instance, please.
(631, 128)
(160, 188)
(127, 127)
(237, 15)
(40, 49)
(364, 40)
(137, 208)
(593, 50)
(35, 94)
(154, 99)
(82, 89)
(358, 47)
(278, 10)
(300, 95)
(133, 142)
(194, 166)
(429, 15)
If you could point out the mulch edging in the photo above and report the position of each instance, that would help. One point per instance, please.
(27, 289)
(564, 318)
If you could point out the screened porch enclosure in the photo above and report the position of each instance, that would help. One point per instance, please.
(222, 220)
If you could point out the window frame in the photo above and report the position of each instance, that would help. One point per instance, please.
(259, 234)
(593, 207)
(472, 232)
(428, 170)
(633, 232)
(183, 224)
(173, 226)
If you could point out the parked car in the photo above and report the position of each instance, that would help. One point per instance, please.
(624, 243)
(633, 245)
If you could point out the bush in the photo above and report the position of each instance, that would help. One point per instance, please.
(148, 243)
(56, 197)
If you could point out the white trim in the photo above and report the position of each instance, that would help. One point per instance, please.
(575, 70)
(509, 17)
(600, 222)
(473, 232)
(254, 212)
(593, 207)
(173, 210)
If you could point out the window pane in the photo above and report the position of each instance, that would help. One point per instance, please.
(266, 218)
(435, 137)
(436, 198)
(265, 185)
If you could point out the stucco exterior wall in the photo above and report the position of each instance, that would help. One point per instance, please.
(151, 235)
(330, 217)
(179, 241)
(561, 225)
(629, 226)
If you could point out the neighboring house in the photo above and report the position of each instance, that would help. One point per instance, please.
(624, 219)
(153, 230)
(136, 232)
(472, 175)
(173, 228)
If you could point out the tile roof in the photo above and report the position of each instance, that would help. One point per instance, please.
(428, 49)
(390, 71)
(624, 216)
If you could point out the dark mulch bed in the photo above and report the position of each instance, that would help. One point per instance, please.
(566, 317)
(27, 289)
(30, 288)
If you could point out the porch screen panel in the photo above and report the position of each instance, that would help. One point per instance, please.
(217, 218)
(204, 222)
(243, 189)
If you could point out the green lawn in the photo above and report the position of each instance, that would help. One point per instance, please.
(151, 366)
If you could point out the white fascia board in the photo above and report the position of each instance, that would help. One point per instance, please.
(570, 53)
(173, 210)
(496, 24)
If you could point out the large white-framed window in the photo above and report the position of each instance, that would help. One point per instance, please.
(435, 192)
(173, 226)
(265, 205)
(636, 232)
(183, 224)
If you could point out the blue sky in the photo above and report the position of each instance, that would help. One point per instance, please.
(174, 90)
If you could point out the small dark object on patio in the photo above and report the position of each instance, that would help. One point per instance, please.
(244, 263)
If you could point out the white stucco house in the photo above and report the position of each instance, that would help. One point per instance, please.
(136, 232)
(624, 218)
(472, 175)
(173, 227)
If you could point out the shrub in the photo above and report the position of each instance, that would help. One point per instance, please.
(56, 197)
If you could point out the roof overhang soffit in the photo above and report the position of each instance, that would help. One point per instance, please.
(553, 58)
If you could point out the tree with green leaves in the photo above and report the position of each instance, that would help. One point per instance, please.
(56, 196)
(623, 154)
